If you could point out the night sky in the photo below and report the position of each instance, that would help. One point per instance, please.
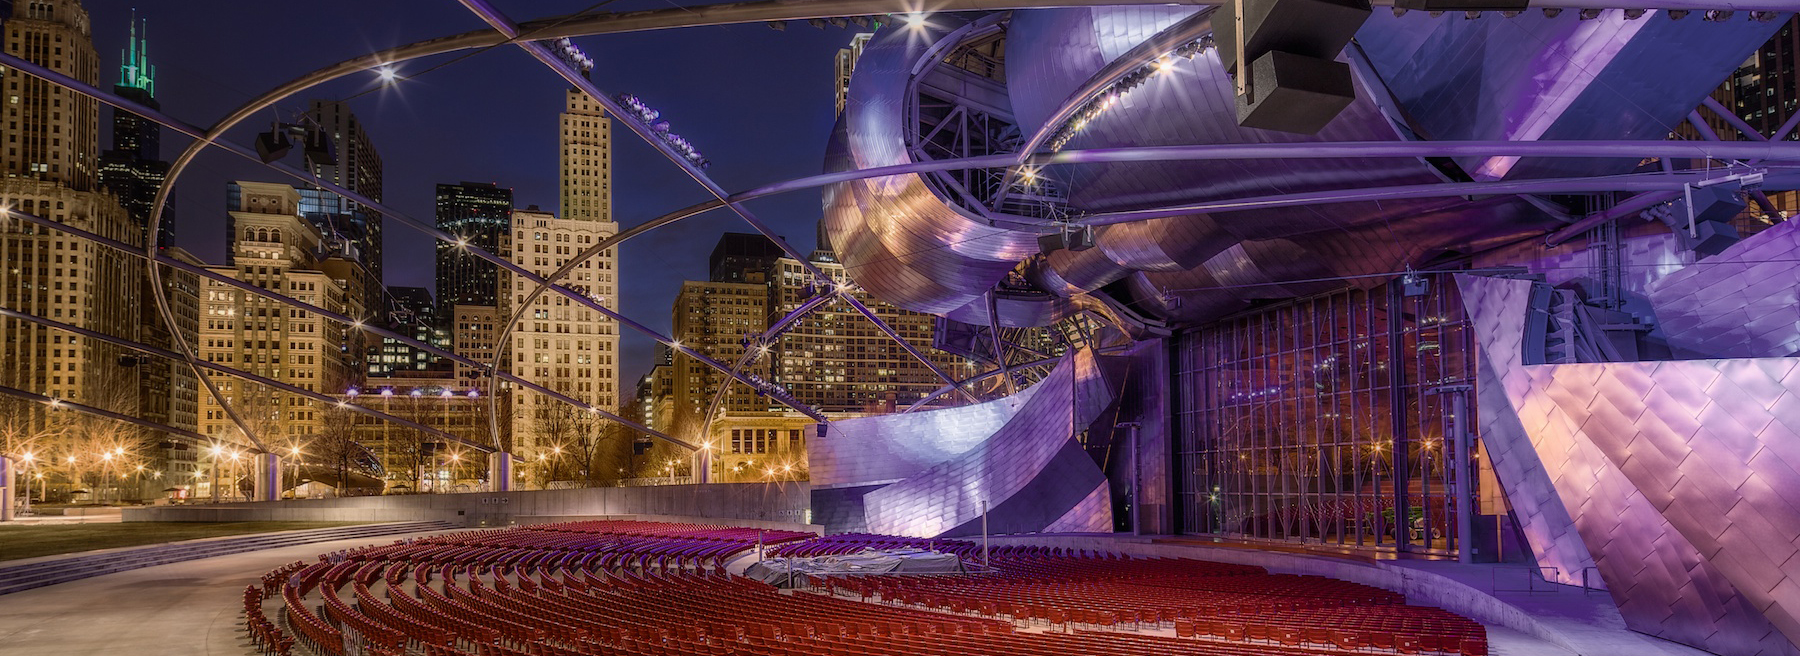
(756, 101)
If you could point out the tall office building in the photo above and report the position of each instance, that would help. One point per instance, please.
(411, 312)
(276, 249)
(838, 361)
(52, 134)
(352, 230)
(479, 214)
(560, 344)
(586, 157)
(133, 168)
(742, 257)
(49, 160)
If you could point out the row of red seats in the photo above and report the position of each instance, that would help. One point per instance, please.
(588, 589)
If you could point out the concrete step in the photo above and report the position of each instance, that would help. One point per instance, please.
(38, 574)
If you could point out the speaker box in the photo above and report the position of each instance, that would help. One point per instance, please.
(1075, 239)
(1295, 93)
(273, 145)
(1314, 28)
(1716, 203)
(1712, 237)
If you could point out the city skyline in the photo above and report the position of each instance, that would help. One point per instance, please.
(757, 140)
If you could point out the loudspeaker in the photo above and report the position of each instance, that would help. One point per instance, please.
(1074, 238)
(1295, 84)
(1716, 203)
(1295, 93)
(273, 145)
(320, 150)
(1713, 237)
(821, 429)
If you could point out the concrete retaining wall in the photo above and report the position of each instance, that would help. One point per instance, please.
(784, 505)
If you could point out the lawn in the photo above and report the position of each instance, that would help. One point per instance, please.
(32, 541)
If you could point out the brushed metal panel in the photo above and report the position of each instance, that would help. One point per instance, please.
(1671, 473)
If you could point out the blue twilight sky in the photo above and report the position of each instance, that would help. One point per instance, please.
(756, 101)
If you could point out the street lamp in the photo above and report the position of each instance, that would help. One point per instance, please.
(294, 455)
(27, 459)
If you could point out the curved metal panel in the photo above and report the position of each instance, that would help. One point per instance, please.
(1742, 303)
(1677, 478)
(1532, 77)
(1497, 78)
(894, 235)
(1027, 476)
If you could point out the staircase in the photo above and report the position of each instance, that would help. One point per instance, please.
(54, 570)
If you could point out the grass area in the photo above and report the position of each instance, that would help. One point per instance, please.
(18, 541)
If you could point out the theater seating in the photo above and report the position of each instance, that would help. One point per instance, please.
(650, 589)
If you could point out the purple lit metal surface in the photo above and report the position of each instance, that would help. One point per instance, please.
(896, 238)
(1678, 477)
(1497, 308)
(1029, 475)
(1525, 78)
(888, 448)
(1562, 78)
(1742, 303)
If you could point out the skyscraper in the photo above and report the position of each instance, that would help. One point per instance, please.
(479, 214)
(133, 168)
(48, 168)
(560, 344)
(57, 131)
(350, 227)
(276, 249)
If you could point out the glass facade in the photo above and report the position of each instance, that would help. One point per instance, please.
(1323, 420)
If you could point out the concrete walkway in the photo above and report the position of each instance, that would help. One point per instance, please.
(191, 608)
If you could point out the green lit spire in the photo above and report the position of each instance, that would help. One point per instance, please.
(134, 63)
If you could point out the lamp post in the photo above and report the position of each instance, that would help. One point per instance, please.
(294, 454)
(74, 477)
(235, 456)
(212, 459)
(28, 458)
(106, 460)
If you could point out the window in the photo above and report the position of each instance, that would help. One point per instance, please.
(1291, 419)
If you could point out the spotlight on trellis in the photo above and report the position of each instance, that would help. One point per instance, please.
(646, 116)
